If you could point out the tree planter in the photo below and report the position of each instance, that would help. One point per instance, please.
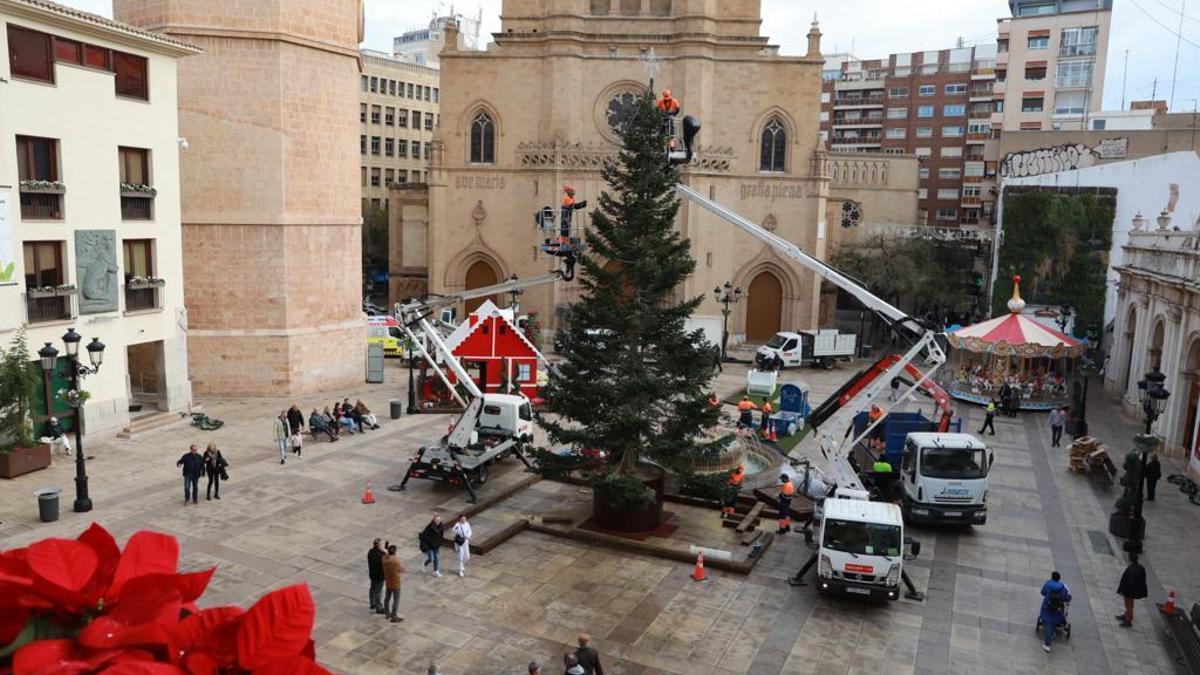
(1126, 527)
(21, 461)
(608, 517)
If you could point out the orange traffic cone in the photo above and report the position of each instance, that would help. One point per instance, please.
(368, 496)
(1168, 607)
(698, 574)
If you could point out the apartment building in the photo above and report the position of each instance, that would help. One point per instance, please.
(423, 46)
(936, 105)
(1050, 64)
(90, 234)
(398, 112)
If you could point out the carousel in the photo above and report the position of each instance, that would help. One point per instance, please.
(1012, 354)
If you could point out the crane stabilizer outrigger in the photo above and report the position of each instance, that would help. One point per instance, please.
(838, 411)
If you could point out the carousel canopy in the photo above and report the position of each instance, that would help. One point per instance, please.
(1015, 334)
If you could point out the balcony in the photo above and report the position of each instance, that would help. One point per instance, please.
(983, 72)
(971, 201)
(53, 304)
(981, 94)
(980, 114)
(858, 102)
(142, 296)
(864, 121)
(137, 207)
(862, 141)
(41, 200)
(1066, 50)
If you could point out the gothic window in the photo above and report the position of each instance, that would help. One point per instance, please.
(773, 154)
(619, 108)
(483, 139)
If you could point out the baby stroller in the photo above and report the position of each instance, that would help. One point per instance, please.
(1064, 629)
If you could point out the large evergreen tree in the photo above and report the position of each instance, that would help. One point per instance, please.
(635, 381)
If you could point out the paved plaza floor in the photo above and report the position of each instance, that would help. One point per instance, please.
(527, 599)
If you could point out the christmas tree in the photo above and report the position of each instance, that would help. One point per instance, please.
(635, 381)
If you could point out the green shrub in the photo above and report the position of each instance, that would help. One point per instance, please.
(623, 492)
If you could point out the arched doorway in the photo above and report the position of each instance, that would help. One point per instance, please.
(479, 275)
(1154, 353)
(764, 307)
(1130, 332)
(1190, 383)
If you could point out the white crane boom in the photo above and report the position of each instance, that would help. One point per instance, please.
(408, 311)
(834, 448)
(867, 298)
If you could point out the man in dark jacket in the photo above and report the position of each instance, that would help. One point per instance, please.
(588, 657)
(1153, 475)
(193, 468)
(1132, 587)
(375, 574)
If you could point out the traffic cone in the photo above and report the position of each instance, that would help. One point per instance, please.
(698, 574)
(368, 496)
(1168, 607)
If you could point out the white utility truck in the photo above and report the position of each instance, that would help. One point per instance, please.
(944, 478)
(822, 347)
(861, 548)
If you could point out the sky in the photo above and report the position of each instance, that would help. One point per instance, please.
(1147, 29)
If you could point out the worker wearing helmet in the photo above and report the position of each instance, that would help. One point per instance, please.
(746, 410)
(787, 490)
(729, 507)
(568, 208)
(668, 103)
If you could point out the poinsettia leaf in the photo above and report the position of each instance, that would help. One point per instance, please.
(190, 586)
(291, 665)
(16, 630)
(143, 668)
(65, 564)
(145, 553)
(46, 656)
(108, 555)
(201, 664)
(277, 626)
(212, 631)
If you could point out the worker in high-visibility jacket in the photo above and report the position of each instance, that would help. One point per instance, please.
(765, 425)
(713, 401)
(729, 506)
(746, 410)
(876, 416)
(669, 105)
(787, 490)
(568, 208)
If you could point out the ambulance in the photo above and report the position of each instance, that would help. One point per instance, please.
(385, 330)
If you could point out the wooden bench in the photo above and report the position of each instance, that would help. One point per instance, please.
(1185, 630)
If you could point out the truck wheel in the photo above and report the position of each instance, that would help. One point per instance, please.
(827, 362)
(481, 475)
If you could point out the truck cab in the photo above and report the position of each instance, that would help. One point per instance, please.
(944, 478)
(861, 548)
(506, 415)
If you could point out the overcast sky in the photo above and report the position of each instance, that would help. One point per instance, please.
(873, 28)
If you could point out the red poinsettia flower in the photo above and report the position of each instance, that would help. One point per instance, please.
(131, 613)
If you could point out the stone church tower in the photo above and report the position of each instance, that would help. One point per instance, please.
(537, 110)
(270, 191)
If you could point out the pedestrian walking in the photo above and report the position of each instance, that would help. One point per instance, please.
(587, 656)
(1014, 401)
(295, 419)
(375, 576)
(216, 468)
(989, 418)
(193, 468)
(430, 540)
(462, 543)
(1058, 417)
(1055, 598)
(392, 571)
(282, 432)
(1132, 587)
(1153, 475)
(571, 663)
(894, 394)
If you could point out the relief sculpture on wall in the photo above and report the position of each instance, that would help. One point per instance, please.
(96, 270)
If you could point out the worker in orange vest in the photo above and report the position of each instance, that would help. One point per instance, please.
(746, 410)
(766, 425)
(670, 106)
(713, 401)
(568, 208)
(876, 415)
(787, 490)
(729, 507)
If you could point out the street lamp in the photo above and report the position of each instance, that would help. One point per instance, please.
(1087, 365)
(48, 356)
(726, 295)
(1153, 397)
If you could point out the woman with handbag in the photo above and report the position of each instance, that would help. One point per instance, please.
(215, 468)
(462, 543)
(430, 540)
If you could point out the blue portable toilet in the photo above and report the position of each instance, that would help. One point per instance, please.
(793, 410)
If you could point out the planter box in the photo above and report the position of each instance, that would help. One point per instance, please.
(646, 520)
(24, 460)
(137, 193)
(34, 295)
(1126, 527)
(42, 191)
(138, 285)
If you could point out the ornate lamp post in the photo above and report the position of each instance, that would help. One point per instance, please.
(1153, 397)
(726, 295)
(49, 359)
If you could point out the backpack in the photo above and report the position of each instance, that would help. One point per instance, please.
(1054, 602)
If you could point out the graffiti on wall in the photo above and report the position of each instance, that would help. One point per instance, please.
(1061, 158)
